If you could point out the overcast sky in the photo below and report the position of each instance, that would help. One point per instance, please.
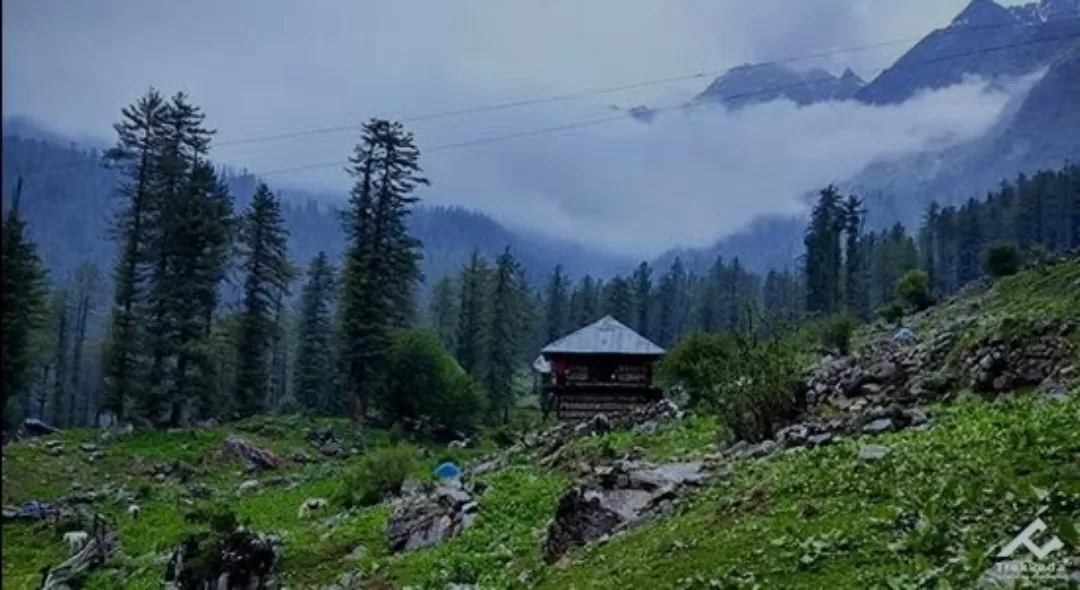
(275, 66)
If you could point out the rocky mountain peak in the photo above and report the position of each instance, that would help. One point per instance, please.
(984, 13)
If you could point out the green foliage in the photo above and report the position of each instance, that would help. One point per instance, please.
(753, 385)
(314, 357)
(425, 385)
(382, 259)
(504, 341)
(23, 305)
(914, 289)
(473, 337)
(836, 333)
(893, 312)
(379, 475)
(263, 246)
(1002, 259)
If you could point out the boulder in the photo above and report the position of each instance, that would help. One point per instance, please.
(427, 519)
(616, 497)
(248, 452)
(32, 427)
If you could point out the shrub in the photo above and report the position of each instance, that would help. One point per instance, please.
(379, 475)
(893, 312)
(914, 289)
(836, 333)
(753, 385)
(427, 386)
(1002, 259)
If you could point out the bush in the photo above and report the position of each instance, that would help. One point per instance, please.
(836, 333)
(893, 312)
(427, 386)
(1002, 259)
(754, 386)
(379, 475)
(914, 289)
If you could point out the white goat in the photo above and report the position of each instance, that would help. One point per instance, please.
(311, 506)
(134, 510)
(76, 540)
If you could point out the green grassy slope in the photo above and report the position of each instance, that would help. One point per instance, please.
(928, 515)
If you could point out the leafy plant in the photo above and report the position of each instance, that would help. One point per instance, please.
(379, 475)
(836, 333)
(914, 289)
(1002, 259)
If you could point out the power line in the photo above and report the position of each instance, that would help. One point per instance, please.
(623, 117)
(602, 120)
(597, 91)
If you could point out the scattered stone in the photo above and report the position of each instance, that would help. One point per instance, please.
(32, 427)
(249, 452)
(878, 426)
(331, 448)
(199, 491)
(873, 452)
(301, 457)
(247, 487)
(348, 581)
(56, 450)
(356, 554)
(208, 423)
(88, 447)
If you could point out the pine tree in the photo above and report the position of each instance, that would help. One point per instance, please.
(619, 303)
(473, 320)
(264, 242)
(504, 340)
(136, 155)
(87, 278)
(443, 311)
(314, 358)
(823, 253)
(556, 301)
(63, 401)
(382, 259)
(672, 292)
(642, 283)
(853, 220)
(24, 302)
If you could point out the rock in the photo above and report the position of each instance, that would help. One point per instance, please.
(199, 491)
(348, 581)
(424, 520)
(247, 487)
(301, 457)
(647, 427)
(872, 452)
(818, 440)
(616, 497)
(249, 452)
(331, 448)
(240, 559)
(356, 554)
(57, 450)
(208, 423)
(878, 426)
(88, 447)
(32, 427)
(160, 477)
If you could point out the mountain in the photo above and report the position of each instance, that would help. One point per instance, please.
(759, 83)
(68, 203)
(1039, 131)
(769, 242)
(986, 40)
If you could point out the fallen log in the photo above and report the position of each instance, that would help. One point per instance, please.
(70, 574)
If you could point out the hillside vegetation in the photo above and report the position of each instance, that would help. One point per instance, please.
(930, 513)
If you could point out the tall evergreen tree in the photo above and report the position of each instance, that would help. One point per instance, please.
(619, 302)
(474, 317)
(23, 304)
(505, 341)
(136, 154)
(443, 311)
(671, 295)
(63, 401)
(642, 284)
(557, 303)
(314, 359)
(823, 253)
(382, 258)
(853, 220)
(264, 243)
(87, 278)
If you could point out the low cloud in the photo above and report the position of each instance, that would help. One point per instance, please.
(693, 176)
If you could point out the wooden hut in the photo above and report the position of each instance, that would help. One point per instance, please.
(602, 368)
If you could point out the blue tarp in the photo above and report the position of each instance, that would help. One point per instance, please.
(35, 510)
(447, 471)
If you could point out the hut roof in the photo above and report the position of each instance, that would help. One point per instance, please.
(606, 336)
